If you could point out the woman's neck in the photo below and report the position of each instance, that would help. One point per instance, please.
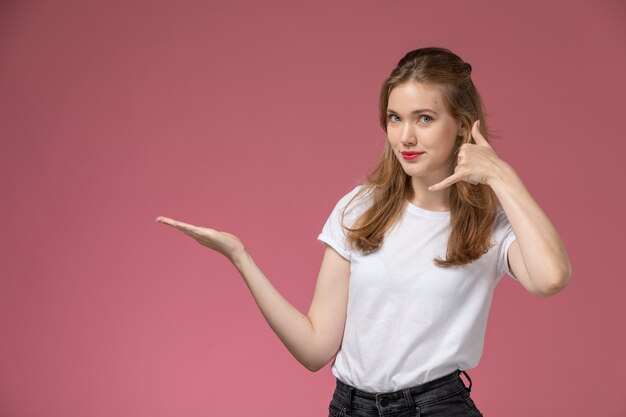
(429, 200)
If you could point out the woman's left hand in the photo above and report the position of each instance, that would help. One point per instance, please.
(537, 257)
(477, 163)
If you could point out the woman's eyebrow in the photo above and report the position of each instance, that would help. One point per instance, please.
(413, 112)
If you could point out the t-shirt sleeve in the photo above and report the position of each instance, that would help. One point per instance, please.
(504, 237)
(333, 234)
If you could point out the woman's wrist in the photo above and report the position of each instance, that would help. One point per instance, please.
(503, 175)
(239, 259)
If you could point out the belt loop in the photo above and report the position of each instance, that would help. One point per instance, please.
(408, 396)
(349, 396)
(469, 379)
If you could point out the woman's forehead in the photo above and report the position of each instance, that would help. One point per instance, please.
(413, 95)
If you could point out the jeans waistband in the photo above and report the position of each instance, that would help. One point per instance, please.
(412, 397)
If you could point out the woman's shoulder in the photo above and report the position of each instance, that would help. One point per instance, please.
(350, 195)
(353, 204)
(500, 216)
(359, 196)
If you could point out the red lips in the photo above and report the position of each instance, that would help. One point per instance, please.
(408, 155)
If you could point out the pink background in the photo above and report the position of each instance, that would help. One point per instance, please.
(255, 117)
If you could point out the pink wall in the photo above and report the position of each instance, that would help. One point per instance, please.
(255, 117)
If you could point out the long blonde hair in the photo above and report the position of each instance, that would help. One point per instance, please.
(472, 207)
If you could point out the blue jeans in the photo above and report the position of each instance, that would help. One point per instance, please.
(446, 396)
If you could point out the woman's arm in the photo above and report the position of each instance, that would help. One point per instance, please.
(538, 257)
(313, 339)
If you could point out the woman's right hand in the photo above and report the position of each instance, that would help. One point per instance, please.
(222, 242)
(313, 339)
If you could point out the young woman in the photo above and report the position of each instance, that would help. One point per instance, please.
(414, 254)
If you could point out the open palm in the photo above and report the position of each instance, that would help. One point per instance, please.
(225, 243)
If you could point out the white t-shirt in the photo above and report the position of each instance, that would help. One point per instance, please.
(410, 321)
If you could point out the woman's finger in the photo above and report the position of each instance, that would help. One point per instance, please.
(477, 136)
(183, 227)
(171, 222)
(165, 220)
(196, 232)
(456, 177)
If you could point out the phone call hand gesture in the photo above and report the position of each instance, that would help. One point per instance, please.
(222, 242)
(476, 164)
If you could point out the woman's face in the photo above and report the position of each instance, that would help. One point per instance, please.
(421, 132)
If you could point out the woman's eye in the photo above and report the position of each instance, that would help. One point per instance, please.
(393, 117)
(425, 118)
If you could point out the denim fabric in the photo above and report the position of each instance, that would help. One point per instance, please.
(443, 397)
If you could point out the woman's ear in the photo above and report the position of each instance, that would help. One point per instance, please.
(462, 129)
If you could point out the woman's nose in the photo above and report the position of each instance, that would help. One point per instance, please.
(408, 136)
